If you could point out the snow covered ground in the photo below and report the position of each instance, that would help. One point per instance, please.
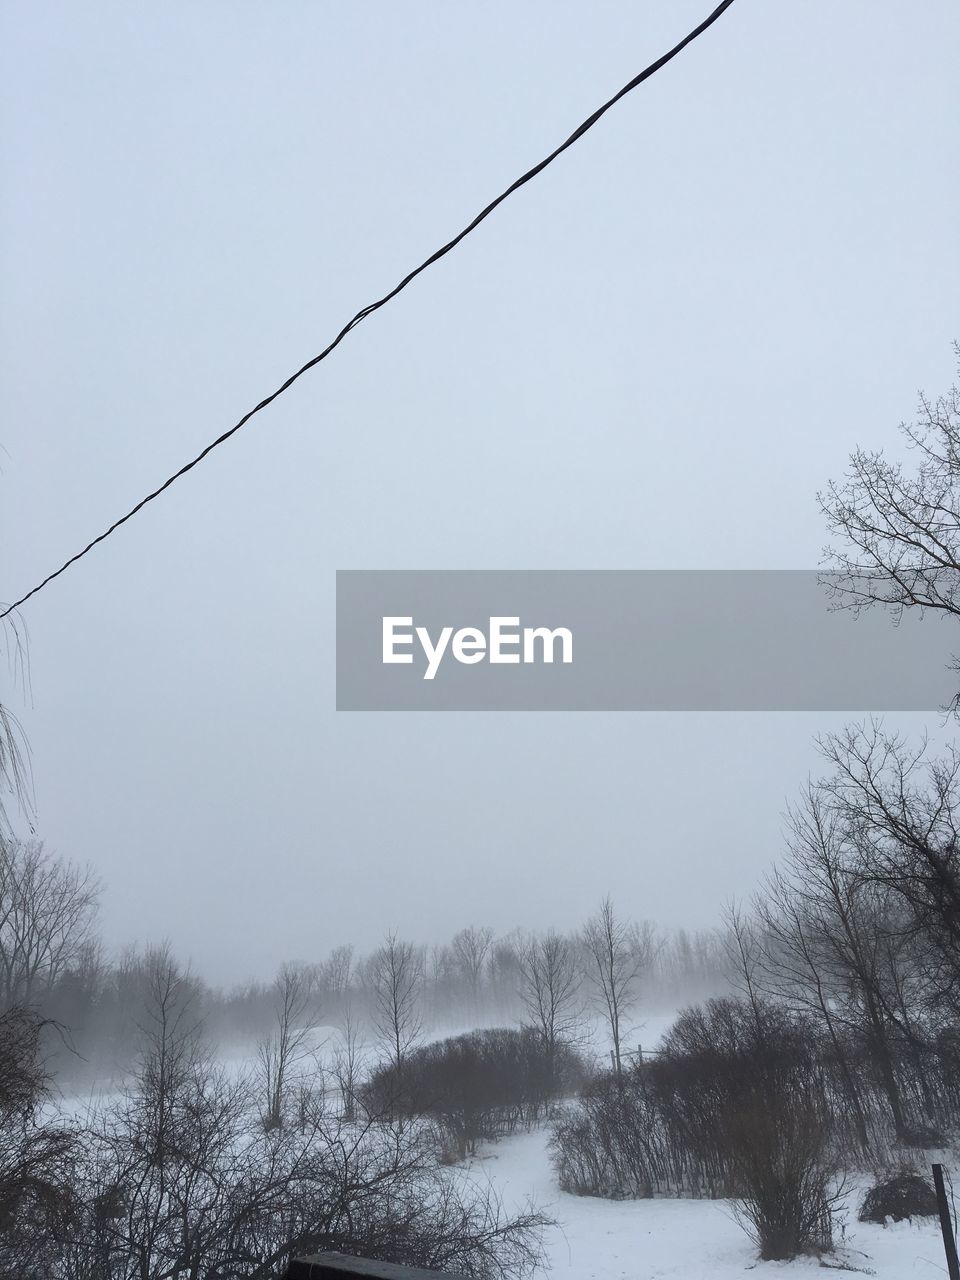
(694, 1239)
(648, 1239)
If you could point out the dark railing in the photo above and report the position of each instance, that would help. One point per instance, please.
(339, 1266)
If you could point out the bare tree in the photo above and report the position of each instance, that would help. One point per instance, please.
(336, 974)
(901, 810)
(281, 1054)
(744, 950)
(47, 911)
(898, 530)
(617, 954)
(505, 972)
(550, 989)
(442, 982)
(397, 973)
(818, 944)
(171, 1163)
(348, 1064)
(471, 950)
(860, 922)
(171, 1039)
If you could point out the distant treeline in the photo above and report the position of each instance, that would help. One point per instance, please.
(52, 959)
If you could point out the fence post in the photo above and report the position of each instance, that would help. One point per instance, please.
(946, 1224)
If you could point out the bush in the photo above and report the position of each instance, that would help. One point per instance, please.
(477, 1087)
(613, 1143)
(737, 1104)
(746, 1086)
(787, 1176)
(906, 1195)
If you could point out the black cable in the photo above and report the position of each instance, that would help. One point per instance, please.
(375, 306)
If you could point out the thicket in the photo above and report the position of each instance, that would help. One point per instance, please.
(478, 1087)
(737, 1104)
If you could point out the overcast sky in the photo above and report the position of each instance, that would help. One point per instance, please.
(652, 357)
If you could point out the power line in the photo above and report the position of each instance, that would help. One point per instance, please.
(381, 302)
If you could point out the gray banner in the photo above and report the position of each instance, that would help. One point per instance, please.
(623, 640)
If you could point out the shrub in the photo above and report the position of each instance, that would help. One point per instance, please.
(478, 1086)
(737, 1104)
(786, 1173)
(613, 1142)
(906, 1195)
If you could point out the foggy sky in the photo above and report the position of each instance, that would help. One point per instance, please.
(651, 357)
